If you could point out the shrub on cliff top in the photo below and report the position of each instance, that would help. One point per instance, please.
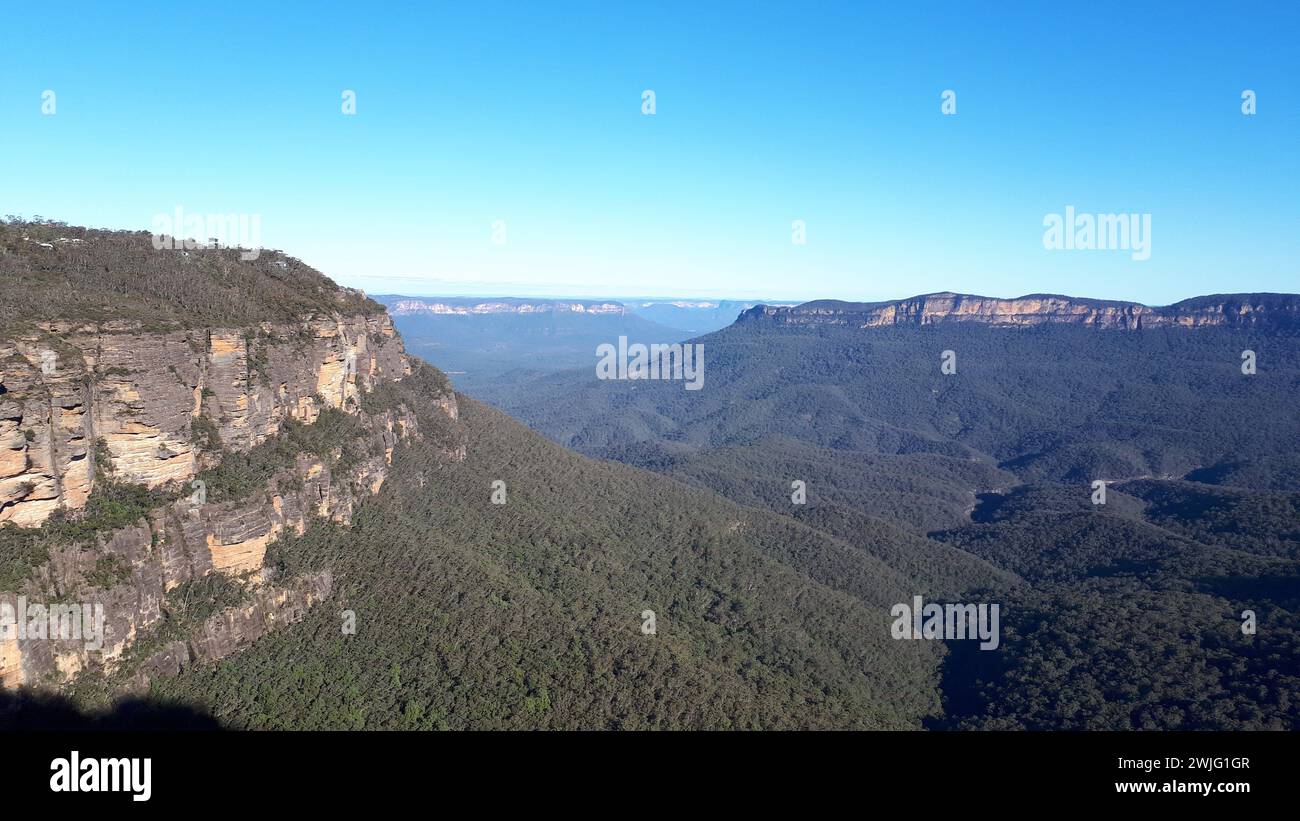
(54, 271)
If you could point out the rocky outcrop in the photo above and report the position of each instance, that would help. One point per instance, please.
(129, 572)
(163, 405)
(1232, 310)
(229, 631)
(114, 403)
(49, 663)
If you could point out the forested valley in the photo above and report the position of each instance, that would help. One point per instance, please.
(1126, 614)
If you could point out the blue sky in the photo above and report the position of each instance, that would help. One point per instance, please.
(530, 113)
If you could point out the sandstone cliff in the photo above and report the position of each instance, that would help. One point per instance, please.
(1040, 309)
(142, 461)
(166, 404)
(246, 384)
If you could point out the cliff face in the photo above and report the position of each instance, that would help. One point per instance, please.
(165, 406)
(165, 417)
(1041, 309)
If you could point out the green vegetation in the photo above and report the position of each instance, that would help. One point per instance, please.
(1122, 616)
(384, 396)
(22, 551)
(1066, 404)
(110, 507)
(966, 488)
(336, 438)
(103, 459)
(185, 608)
(119, 275)
(108, 571)
(477, 615)
(770, 615)
(204, 434)
(191, 603)
(1132, 615)
(256, 345)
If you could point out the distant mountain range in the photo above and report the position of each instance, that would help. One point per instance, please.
(841, 373)
(1039, 309)
(480, 340)
(460, 306)
(695, 316)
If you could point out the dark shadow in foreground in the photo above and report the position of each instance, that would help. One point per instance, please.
(26, 710)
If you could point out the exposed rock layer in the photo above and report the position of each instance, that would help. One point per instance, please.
(154, 399)
(184, 542)
(1040, 309)
(165, 406)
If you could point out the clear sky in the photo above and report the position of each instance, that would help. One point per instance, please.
(531, 113)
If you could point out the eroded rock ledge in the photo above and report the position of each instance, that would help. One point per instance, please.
(186, 541)
(164, 407)
(1040, 309)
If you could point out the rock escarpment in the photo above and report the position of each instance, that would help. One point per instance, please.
(155, 408)
(248, 386)
(1232, 310)
(146, 465)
